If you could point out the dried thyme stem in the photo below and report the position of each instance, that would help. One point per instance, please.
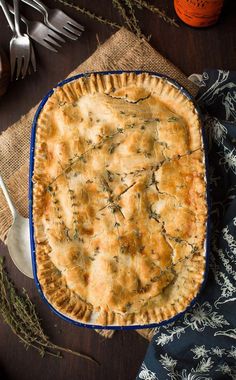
(54, 346)
(133, 17)
(90, 14)
(144, 4)
(130, 20)
(20, 315)
(122, 11)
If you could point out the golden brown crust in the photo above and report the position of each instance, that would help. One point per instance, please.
(119, 202)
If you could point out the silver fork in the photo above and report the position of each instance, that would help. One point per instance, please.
(41, 33)
(57, 20)
(16, 51)
(20, 47)
(12, 42)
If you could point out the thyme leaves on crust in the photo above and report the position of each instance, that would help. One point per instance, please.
(19, 313)
(81, 157)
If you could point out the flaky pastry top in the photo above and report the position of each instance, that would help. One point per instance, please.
(119, 199)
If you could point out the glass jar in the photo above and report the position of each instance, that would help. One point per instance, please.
(198, 13)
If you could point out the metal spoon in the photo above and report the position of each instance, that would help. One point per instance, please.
(18, 238)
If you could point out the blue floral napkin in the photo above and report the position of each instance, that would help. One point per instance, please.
(201, 345)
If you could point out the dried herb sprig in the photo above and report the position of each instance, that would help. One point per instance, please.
(122, 11)
(19, 313)
(90, 14)
(161, 13)
(126, 9)
(134, 20)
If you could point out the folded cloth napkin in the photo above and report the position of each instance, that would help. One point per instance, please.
(201, 345)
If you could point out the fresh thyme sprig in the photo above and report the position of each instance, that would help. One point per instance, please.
(19, 313)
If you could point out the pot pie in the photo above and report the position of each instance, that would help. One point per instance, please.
(119, 200)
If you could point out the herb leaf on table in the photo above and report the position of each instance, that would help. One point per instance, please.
(20, 314)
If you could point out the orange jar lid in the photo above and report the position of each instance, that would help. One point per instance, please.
(198, 13)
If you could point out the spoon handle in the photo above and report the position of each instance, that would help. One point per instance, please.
(8, 199)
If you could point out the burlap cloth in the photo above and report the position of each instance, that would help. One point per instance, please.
(122, 51)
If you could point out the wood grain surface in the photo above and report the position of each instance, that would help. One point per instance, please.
(191, 50)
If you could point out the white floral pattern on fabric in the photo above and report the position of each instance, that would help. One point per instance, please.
(228, 159)
(199, 351)
(146, 374)
(226, 369)
(232, 352)
(216, 130)
(218, 351)
(197, 373)
(225, 278)
(231, 333)
(221, 88)
(200, 317)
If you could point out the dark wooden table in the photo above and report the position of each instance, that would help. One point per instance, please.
(191, 50)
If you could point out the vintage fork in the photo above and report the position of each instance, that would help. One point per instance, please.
(57, 20)
(41, 33)
(12, 42)
(19, 44)
(21, 47)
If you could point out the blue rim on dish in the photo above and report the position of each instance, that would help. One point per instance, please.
(31, 170)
